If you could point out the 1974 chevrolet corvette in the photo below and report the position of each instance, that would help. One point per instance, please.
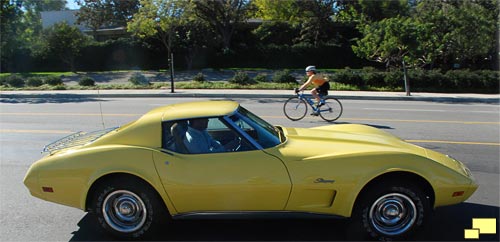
(138, 176)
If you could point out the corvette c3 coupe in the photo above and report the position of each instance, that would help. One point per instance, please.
(138, 176)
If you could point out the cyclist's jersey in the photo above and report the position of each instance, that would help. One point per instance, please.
(317, 80)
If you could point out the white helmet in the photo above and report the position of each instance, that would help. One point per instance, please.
(310, 68)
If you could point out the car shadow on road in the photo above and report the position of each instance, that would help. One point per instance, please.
(372, 125)
(447, 224)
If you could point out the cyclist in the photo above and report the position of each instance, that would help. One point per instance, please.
(321, 85)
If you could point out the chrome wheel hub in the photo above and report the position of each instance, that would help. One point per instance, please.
(393, 214)
(124, 211)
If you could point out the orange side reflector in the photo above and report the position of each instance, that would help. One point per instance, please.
(47, 189)
(458, 194)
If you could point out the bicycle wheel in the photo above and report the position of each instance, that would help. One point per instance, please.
(332, 109)
(295, 108)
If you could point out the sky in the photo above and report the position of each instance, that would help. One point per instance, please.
(71, 4)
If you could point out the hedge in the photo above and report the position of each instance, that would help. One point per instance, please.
(421, 80)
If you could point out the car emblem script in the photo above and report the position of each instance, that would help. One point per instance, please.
(321, 180)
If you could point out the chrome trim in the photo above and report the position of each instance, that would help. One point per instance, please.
(76, 139)
(199, 215)
(393, 214)
(124, 211)
(322, 180)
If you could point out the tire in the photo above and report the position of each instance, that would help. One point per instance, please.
(331, 110)
(390, 212)
(128, 208)
(295, 108)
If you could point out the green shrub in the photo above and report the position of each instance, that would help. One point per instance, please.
(372, 77)
(462, 79)
(394, 79)
(34, 82)
(347, 76)
(436, 79)
(283, 77)
(260, 78)
(59, 87)
(139, 79)
(489, 79)
(53, 81)
(3, 80)
(199, 77)
(15, 81)
(86, 81)
(241, 78)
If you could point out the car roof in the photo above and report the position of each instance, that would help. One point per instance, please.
(188, 110)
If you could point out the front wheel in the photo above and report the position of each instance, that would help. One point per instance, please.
(128, 209)
(388, 212)
(331, 110)
(295, 108)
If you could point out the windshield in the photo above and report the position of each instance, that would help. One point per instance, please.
(266, 134)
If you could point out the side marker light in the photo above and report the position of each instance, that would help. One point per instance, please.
(47, 189)
(458, 194)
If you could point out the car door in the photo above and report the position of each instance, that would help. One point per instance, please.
(248, 180)
(232, 181)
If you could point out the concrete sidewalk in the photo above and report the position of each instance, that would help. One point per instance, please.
(250, 93)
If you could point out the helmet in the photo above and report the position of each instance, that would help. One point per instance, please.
(311, 68)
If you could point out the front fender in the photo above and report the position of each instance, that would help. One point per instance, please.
(442, 180)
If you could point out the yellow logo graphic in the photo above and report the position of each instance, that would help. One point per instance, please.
(481, 226)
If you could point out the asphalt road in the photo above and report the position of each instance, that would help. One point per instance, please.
(467, 131)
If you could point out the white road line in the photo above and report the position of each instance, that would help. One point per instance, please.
(429, 110)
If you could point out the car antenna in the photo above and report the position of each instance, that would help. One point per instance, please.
(100, 107)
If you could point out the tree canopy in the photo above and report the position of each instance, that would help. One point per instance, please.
(423, 33)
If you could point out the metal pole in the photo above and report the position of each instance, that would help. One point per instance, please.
(172, 72)
(407, 84)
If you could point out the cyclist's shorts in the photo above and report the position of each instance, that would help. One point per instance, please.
(323, 89)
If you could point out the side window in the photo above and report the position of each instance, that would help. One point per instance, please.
(202, 135)
(173, 134)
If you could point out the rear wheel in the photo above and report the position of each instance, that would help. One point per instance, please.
(295, 108)
(331, 110)
(388, 212)
(128, 209)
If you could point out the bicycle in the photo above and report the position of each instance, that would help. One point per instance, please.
(295, 108)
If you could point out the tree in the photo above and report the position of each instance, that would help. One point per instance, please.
(223, 16)
(65, 42)
(106, 13)
(193, 36)
(363, 11)
(458, 31)
(281, 11)
(159, 19)
(317, 21)
(390, 41)
(11, 27)
(32, 13)
(441, 31)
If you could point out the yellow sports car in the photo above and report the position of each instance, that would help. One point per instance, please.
(215, 158)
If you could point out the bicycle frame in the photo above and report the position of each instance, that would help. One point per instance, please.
(295, 108)
(309, 100)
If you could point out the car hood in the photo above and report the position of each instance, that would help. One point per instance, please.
(344, 139)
